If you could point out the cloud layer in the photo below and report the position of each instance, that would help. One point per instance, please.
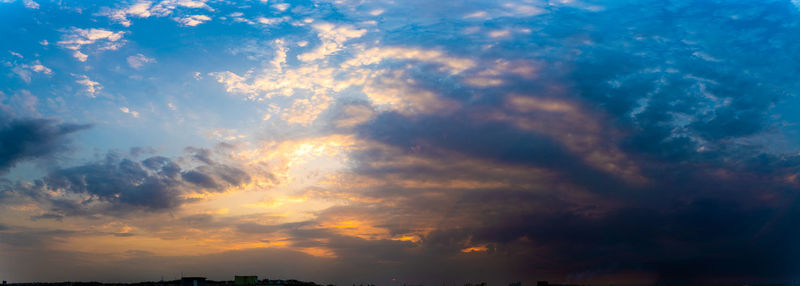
(585, 142)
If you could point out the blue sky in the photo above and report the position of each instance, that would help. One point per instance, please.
(388, 142)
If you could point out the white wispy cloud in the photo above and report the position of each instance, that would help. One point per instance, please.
(376, 55)
(314, 84)
(129, 111)
(80, 56)
(281, 6)
(333, 38)
(145, 9)
(499, 33)
(38, 67)
(139, 60)
(101, 39)
(92, 87)
(139, 9)
(477, 14)
(193, 20)
(24, 71)
(30, 4)
(271, 21)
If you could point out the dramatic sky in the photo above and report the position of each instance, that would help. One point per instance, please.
(401, 141)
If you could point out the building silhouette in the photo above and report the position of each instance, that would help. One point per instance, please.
(245, 280)
(193, 281)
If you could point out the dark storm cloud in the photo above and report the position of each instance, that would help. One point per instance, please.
(687, 83)
(122, 183)
(714, 228)
(213, 176)
(27, 139)
(263, 228)
(162, 165)
(201, 154)
(204, 177)
(118, 186)
(199, 179)
(486, 140)
(54, 216)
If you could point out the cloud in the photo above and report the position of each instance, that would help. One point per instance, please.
(332, 38)
(80, 56)
(271, 21)
(140, 9)
(119, 186)
(38, 67)
(30, 4)
(396, 91)
(193, 20)
(146, 9)
(353, 115)
(524, 10)
(129, 111)
(98, 39)
(24, 71)
(476, 14)
(499, 33)
(20, 104)
(139, 60)
(92, 87)
(32, 139)
(281, 6)
(600, 135)
(387, 87)
(378, 55)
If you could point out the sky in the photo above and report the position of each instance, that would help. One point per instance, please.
(625, 142)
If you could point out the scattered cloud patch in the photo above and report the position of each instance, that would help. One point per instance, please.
(145, 9)
(499, 33)
(139, 9)
(271, 21)
(92, 87)
(281, 6)
(523, 10)
(332, 39)
(38, 67)
(30, 4)
(377, 55)
(193, 20)
(476, 15)
(24, 71)
(139, 60)
(128, 111)
(77, 39)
